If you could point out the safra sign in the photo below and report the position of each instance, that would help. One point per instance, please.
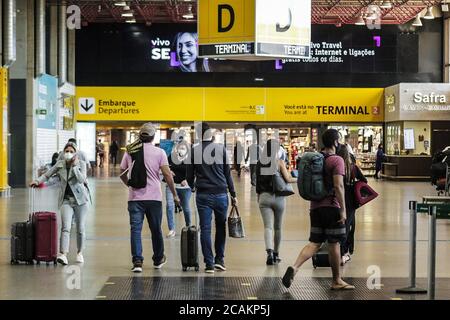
(254, 29)
(429, 98)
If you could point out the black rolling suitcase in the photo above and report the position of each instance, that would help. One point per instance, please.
(320, 259)
(22, 242)
(189, 245)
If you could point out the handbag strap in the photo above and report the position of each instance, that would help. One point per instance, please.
(234, 211)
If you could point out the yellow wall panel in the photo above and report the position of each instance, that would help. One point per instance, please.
(234, 104)
(230, 104)
(141, 104)
(325, 105)
(3, 129)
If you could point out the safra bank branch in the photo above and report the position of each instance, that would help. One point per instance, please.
(417, 117)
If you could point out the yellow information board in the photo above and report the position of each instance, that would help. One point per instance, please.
(229, 104)
(139, 103)
(325, 105)
(3, 129)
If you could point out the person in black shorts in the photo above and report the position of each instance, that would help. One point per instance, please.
(327, 217)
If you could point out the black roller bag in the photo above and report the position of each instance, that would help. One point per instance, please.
(22, 242)
(320, 259)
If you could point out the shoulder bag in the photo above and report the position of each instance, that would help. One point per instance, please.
(235, 225)
(280, 186)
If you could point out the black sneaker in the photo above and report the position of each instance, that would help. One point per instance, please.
(288, 277)
(270, 260)
(276, 258)
(220, 265)
(209, 269)
(158, 265)
(137, 267)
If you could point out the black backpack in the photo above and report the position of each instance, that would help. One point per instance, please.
(138, 176)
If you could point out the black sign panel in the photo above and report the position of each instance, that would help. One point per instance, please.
(122, 54)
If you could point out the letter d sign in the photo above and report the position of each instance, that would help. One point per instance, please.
(221, 9)
(287, 26)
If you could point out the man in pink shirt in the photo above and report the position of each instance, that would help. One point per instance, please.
(327, 216)
(140, 167)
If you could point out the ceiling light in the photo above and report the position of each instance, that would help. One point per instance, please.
(130, 21)
(189, 14)
(120, 4)
(386, 5)
(429, 15)
(360, 21)
(127, 12)
(417, 22)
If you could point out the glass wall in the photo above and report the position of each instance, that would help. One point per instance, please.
(408, 138)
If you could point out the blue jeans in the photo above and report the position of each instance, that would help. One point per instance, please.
(206, 205)
(185, 197)
(153, 211)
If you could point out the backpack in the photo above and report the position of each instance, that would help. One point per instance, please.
(138, 176)
(311, 182)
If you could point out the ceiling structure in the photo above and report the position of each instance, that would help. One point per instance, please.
(337, 12)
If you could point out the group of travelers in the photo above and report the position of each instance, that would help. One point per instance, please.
(187, 171)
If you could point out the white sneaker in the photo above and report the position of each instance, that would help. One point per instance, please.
(62, 258)
(171, 234)
(80, 258)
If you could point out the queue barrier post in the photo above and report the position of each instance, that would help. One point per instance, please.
(432, 252)
(412, 289)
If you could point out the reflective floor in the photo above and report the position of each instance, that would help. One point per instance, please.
(382, 234)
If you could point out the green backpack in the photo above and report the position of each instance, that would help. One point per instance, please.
(311, 182)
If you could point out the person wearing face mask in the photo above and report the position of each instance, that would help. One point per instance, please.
(73, 199)
(177, 162)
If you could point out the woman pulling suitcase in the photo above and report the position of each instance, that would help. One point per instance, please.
(73, 199)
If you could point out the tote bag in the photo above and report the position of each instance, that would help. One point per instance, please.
(235, 225)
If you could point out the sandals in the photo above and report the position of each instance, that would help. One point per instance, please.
(343, 287)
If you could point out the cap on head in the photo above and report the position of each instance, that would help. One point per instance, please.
(147, 130)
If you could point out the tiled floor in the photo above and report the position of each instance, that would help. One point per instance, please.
(382, 235)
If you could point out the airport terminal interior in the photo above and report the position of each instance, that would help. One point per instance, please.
(82, 81)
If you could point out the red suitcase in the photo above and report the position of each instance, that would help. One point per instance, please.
(45, 226)
(46, 236)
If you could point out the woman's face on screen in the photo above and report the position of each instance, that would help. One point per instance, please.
(187, 49)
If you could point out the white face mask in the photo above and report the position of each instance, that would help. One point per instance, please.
(68, 156)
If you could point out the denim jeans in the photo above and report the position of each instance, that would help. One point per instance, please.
(206, 205)
(71, 210)
(185, 198)
(153, 211)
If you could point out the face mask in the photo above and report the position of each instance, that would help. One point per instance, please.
(68, 156)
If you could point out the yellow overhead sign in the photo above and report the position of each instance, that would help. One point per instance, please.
(325, 105)
(229, 104)
(226, 27)
(252, 28)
